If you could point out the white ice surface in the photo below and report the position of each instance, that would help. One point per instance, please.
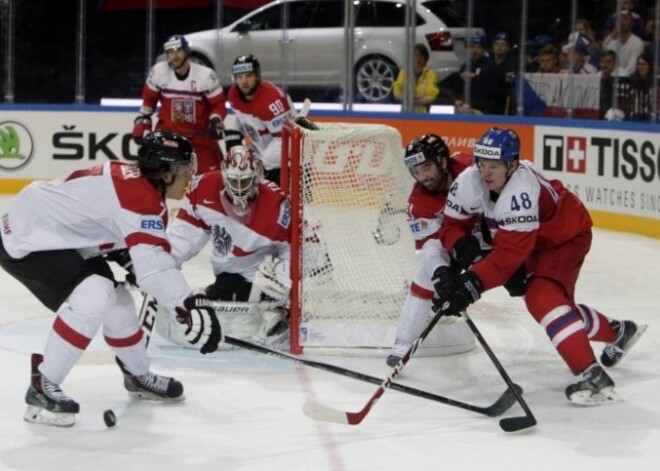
(244, 410)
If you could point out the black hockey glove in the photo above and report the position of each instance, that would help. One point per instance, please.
(232, 138)
(122, 258)
(441, 276)
(467, 251)
(202, 326)
(216, 128)
(456, 293)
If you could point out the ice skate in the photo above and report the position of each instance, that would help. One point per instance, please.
(47, 404)
(628, 333)
(399, 350)
(152, 386)
(594, 387)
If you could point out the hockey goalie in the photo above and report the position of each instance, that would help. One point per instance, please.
(247, 220)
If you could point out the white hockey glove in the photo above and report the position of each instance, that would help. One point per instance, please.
(202, 327)
(272, 282)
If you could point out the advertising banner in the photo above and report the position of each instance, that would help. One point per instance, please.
(613, 172)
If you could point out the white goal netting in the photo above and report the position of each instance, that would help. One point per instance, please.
(357, 253)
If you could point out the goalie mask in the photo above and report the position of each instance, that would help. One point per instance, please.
(242, 172)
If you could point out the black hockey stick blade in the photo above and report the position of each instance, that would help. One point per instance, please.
(514, 424)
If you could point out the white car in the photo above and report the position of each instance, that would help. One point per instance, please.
(316, 47)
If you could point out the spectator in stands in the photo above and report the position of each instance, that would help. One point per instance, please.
(577, 56)
(607, 66)
(532, 49)
(478, 61)
(582, 26)
(628, 46)
(426, 88)
(637, 26)
(548, 59)
(643, 73)
(498, 77)
(641, 83)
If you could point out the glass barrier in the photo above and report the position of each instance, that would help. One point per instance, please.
(550, 58)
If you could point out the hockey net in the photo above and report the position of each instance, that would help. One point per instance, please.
(352, 252)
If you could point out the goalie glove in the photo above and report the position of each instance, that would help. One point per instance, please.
(198, 317)
(216, 128)
(271, 283)
(141, 127)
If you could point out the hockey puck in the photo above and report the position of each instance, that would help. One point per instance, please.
(109, 418)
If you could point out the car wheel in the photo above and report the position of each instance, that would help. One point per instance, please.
(374, 79)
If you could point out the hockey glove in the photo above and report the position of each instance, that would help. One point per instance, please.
(467, 251)
(198, 317)
(232, 138)
(123, 259)
(141, 127)
(454, 294)
(216, 128)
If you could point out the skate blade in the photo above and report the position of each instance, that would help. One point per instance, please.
(38, 415)
(589, 398)
(148, 396)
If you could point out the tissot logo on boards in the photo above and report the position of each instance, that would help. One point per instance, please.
(565, 153)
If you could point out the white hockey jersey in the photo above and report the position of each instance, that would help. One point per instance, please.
(239, 244)
(261, 119)
(93, 211)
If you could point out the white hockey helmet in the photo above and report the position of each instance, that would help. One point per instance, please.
(242, 172)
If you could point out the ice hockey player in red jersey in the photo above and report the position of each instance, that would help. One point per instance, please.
(261, 109)
(54, 236)
(427, 157)
(542, 224)
(192, 103)
(247, 220)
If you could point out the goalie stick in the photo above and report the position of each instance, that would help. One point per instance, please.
(508, 424)
(147, 316)
(503, 403)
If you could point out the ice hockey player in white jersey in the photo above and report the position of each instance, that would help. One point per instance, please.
(261, 109)
(192, 103)
(248, 222)
(53, 237)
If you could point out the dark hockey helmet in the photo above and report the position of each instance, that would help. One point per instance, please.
(498, 144)
(165, 150)
(247, 63)
(175, 42)
(424, 148)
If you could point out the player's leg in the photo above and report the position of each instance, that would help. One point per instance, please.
(123, 334)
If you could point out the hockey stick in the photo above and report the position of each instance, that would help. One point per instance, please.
(508, 424)
(304, 111)
(321, 412)
(147, 316)
(503, 403)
